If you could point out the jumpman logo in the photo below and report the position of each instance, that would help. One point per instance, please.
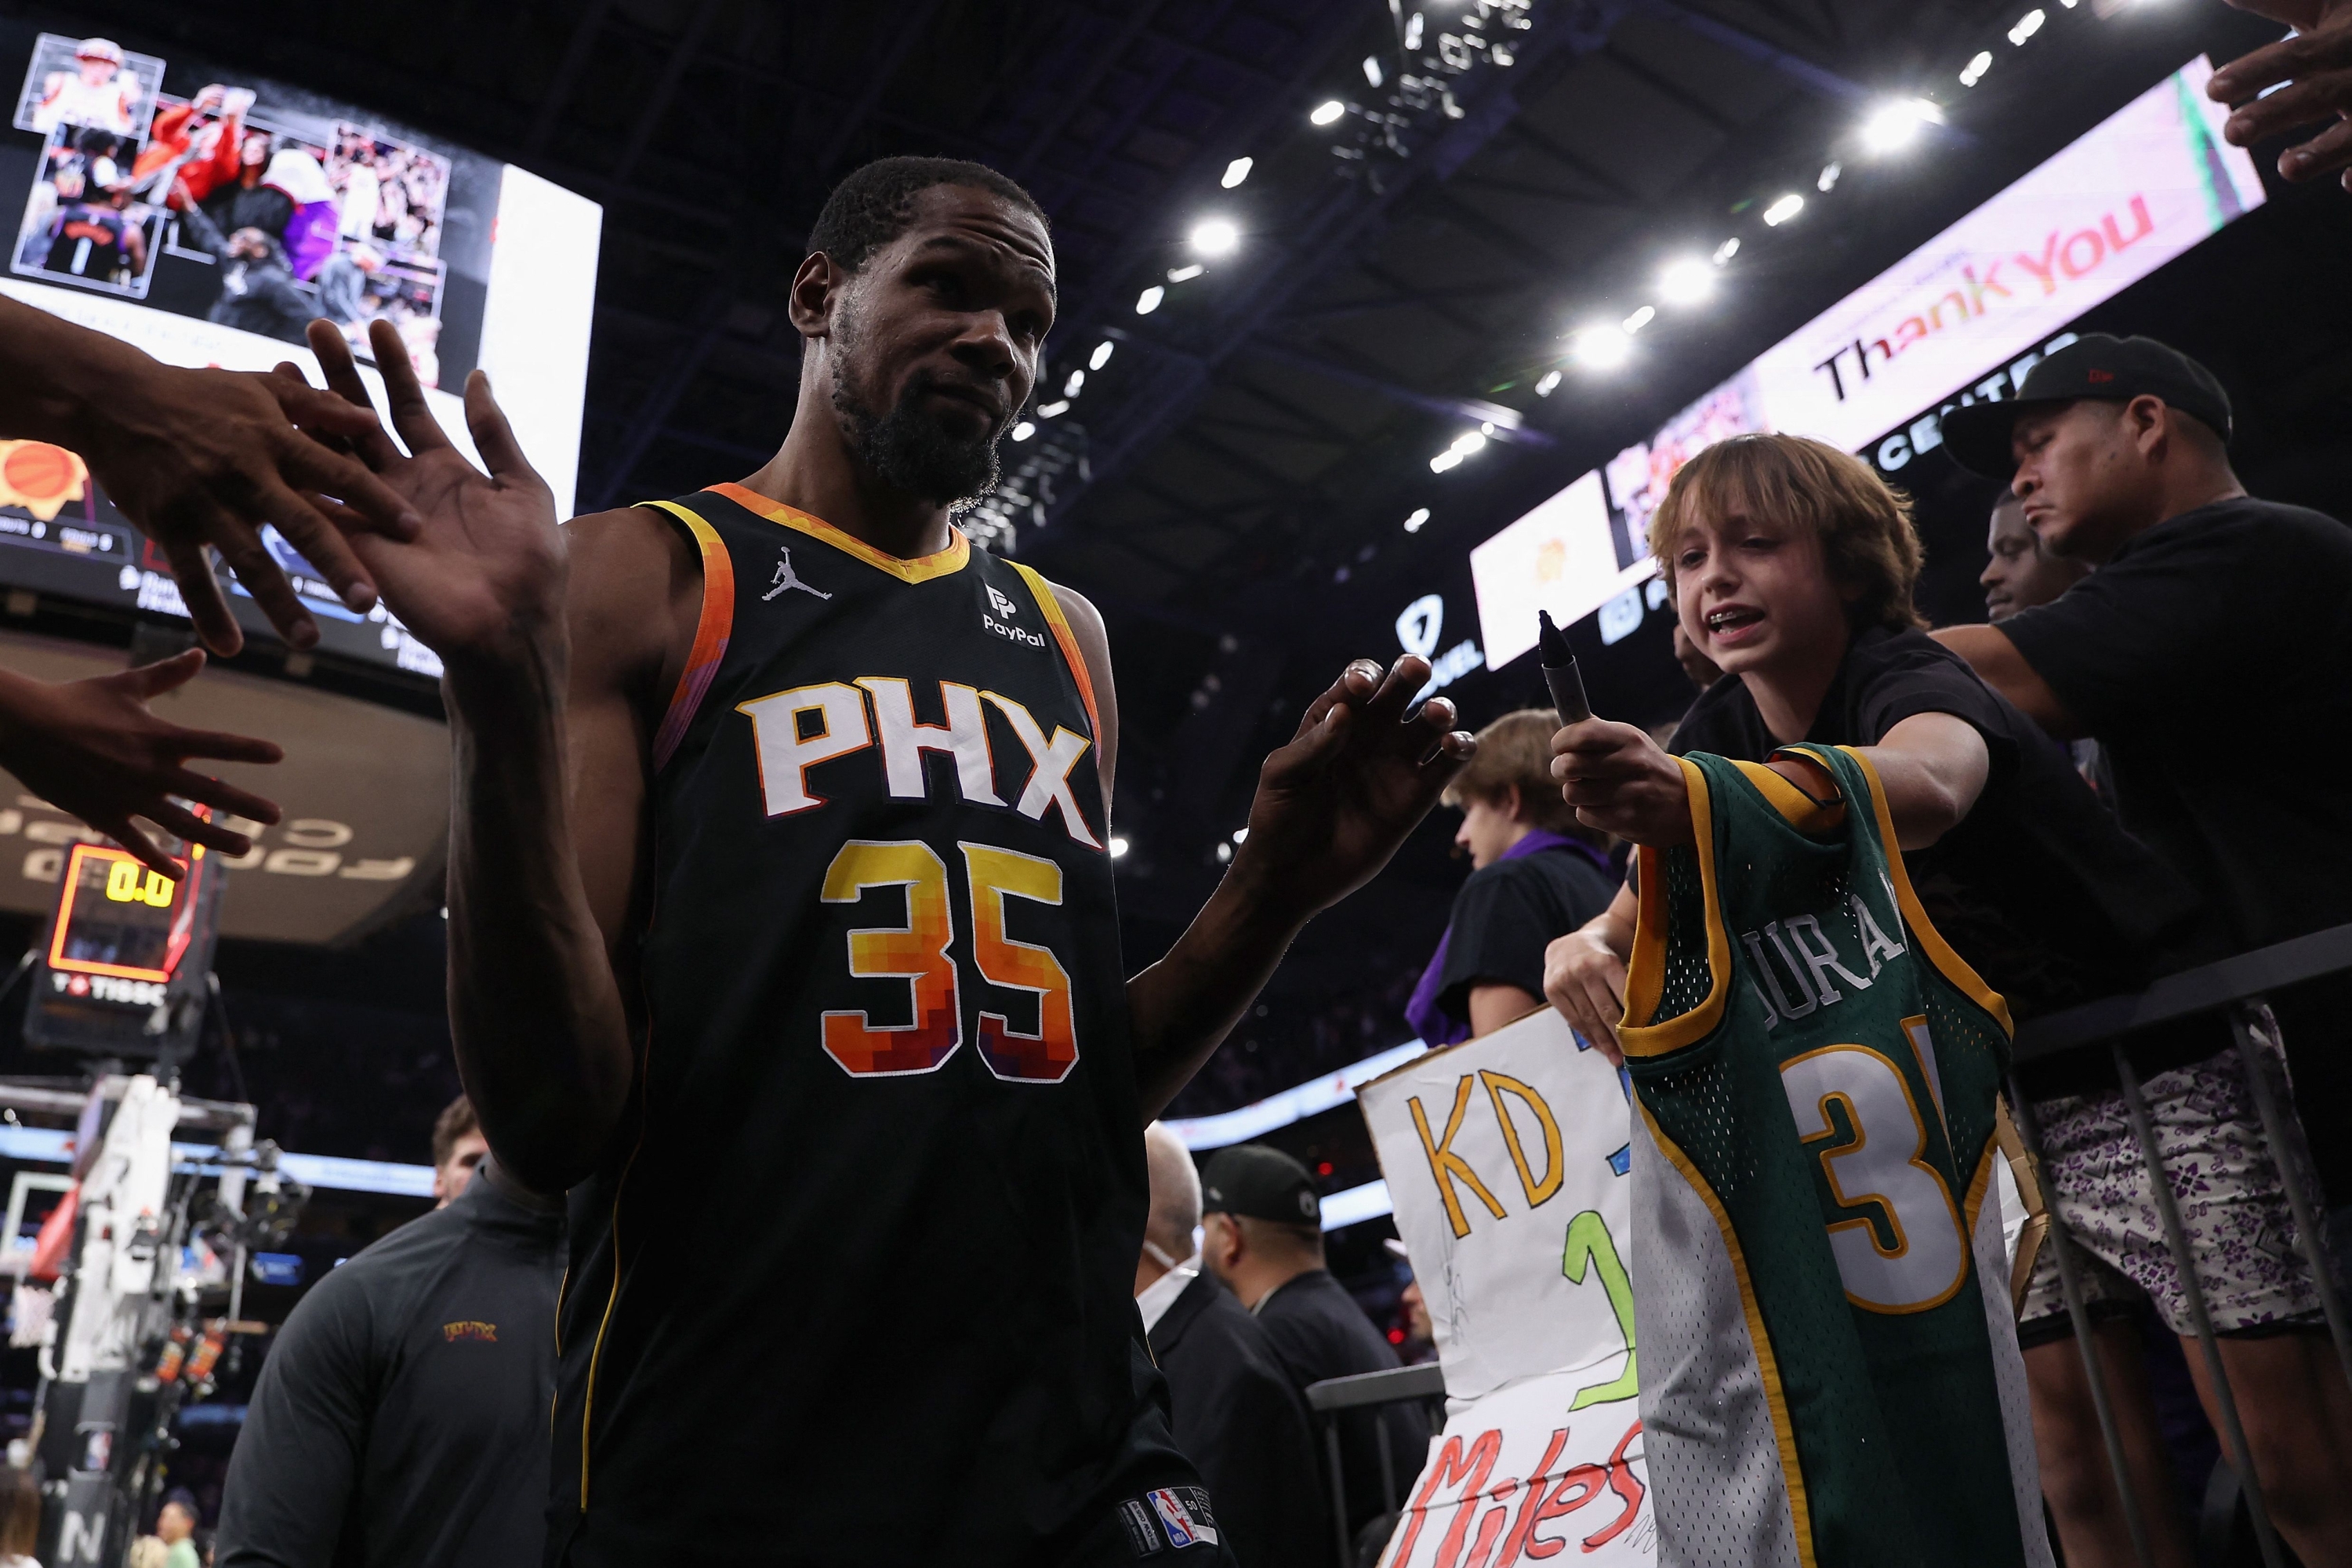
(788, 578)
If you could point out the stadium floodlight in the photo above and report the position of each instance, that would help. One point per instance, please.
(1603, 347)
(1119, 846)
(1076, 384)
(1641, 318)
(1372, 72)
(2027, 26)
(1895, 125)
(1829, 177)
(1550, 380)
(1686, 280)
(1052, 410)
(1445, 460)
(1973, 72)
(1022, 431)
(1327, 112)
(1784, 209)
(1726, 251)
(1469, 442)
(1237, 171)
(1216, 236)
(1186, 273)
(1101, 357)
(1148, 300)
(1412, 523)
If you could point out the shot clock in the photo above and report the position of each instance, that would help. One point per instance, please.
(122, 971)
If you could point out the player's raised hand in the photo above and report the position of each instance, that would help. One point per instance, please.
(2312, 73)
(1622, 782)
(481, 582)
(1333, 804)
(199, 460)
(92, 748)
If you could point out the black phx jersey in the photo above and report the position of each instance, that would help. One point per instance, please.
(855, 1285)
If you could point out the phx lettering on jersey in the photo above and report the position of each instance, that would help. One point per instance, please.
(797, 730)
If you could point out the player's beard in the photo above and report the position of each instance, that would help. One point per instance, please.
(908, 447)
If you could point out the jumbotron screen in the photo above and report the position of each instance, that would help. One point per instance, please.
(207, 214)
(1963, 317)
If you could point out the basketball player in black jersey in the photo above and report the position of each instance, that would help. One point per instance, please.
(783, 933)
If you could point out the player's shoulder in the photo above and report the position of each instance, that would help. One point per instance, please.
(630, 573)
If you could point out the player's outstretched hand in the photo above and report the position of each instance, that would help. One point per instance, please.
(1333, 804)
(481, 582)
(1622, 782)
(1585, 980)
(202, 459)
(2313, 73)
(92, 748)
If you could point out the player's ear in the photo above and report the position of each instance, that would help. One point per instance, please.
(817, 287)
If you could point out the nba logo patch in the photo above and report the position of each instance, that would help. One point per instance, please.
(1184, 1514)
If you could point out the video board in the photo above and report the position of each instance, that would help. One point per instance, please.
(205, 215)
(1961, 318)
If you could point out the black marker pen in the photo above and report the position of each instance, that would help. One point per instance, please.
(1560, 673)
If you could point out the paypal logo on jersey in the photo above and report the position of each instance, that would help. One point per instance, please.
(1008, 609)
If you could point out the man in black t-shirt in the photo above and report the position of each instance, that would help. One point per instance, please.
(1536, 874)
(2207, 604)
(1263, 1235)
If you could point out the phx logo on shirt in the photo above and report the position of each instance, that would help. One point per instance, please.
(1008, 609)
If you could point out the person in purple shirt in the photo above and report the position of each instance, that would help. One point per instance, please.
(1537, 873)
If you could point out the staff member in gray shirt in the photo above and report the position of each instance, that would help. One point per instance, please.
(401, 1416)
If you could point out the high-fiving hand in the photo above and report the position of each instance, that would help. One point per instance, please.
(92, 748)
(482, 578)
(1333, 804)
(2312, 74)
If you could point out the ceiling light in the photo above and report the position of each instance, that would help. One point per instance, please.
(1052, 410)
(1687, 281)
(1420, 515)
(1445, 460)
(1469, 441)
(1187, 272)
(2027, 26)
(1784, 209)
(1726, 251)
(1224, 853)
(1641, 318)
(1119, 846)
(1022, 431)
(1973, 72)
(1240, 834)
(1076, 384)
(1413, 31)
(1101, 357)
(1372, 69)
(1215, 236)
(1602, 347)
(1148, 300)
(1892, 126)
(1550, 380)
(1829, 178)
(1327, 112)
(1237, 171)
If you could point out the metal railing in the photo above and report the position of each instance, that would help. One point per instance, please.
(1331, 1397)
(2235, 986)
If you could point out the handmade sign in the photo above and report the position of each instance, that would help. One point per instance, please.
(1506, 1159)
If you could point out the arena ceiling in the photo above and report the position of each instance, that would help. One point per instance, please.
(1231, 485)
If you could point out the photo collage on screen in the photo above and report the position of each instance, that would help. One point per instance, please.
(239, 203)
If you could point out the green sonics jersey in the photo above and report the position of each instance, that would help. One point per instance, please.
(1828, 1380)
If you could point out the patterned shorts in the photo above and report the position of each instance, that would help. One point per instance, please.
(2225, 1182)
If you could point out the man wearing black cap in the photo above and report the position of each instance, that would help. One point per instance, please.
(2210, 617)
(1264, 1237)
